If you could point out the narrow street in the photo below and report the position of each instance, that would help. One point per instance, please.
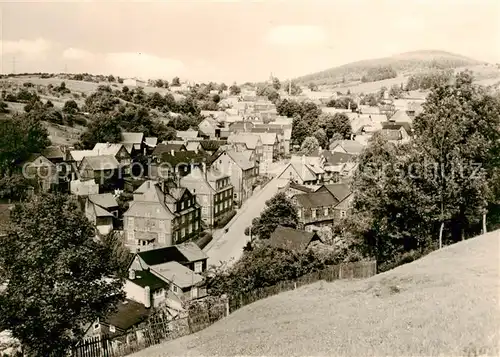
(228, 246)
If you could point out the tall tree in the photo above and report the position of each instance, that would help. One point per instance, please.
(309, 145)
(103, 129)
(280, 211)
(320, 135)
(300, 130)
(336, 124)
(55, 276)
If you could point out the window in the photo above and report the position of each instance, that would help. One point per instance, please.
(196, 225)
(190, 229)
(313, 213)
(326, 211)
(112, 328)
(96, 326)
(194, 293)
(182, 205)
(198, 266)
(175, 289)
(342, 214)
(183, 232)
(183, 219)
(299, 213)
(216, 208)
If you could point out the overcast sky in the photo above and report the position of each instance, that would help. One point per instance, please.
(237, 40)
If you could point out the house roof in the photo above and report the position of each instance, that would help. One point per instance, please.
(182, 253)
(395, 125)
(212, 145)
(167, 148)
(132, 138)
(193, 145)
(268, 138)
(401, 116)
(105, 200)
(250, 140)
(187, 133)
(151, 209)
(339, 190)
(145, 278)
(129, 313)
(300, 187)
(240, 159)
(101, 212)
(191, 251)
(316, 199)
(303, 170)
(151, 141)
(53, 152)
(44, 162)
(293, 239)
(151, 191)
(351, 146)
(107, 149)
(178, 274)
(184, 157)
(103, 162)
(243, 126)
(78, 155)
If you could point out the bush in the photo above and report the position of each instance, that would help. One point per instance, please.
(204, 239)
(225, 219)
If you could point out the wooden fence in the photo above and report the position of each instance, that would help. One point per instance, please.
(158, 330)
(356, 270)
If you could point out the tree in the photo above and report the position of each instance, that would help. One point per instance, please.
(276, 84)
(234, 89)
(55, 273)
(159, 83)
(395, 91)
(175, 82)
(48, 104)
(295, 89)
(320, 135)
(309, 145)
(70, 107)
(155, 100)
(313, 87)
(338, 123)
(103, 129)
(222, 87)
(280, 211)
(300, 130)
(111, 78)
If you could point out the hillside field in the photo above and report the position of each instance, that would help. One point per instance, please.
(446, 303)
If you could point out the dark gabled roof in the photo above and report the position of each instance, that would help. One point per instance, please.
(291, 239)
(316, 199)
(163, 148)
(339, 190)
(145, 278)
(129, 313)
(301, 187)
(53, 152)
(212, 145)
(392, 134)
(395, 125)
(183, 157)
(182, 253)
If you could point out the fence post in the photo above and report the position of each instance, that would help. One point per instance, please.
(294, 285)
(340, 271)
(227, 306)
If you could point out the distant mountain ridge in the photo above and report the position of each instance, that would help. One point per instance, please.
(401, 63)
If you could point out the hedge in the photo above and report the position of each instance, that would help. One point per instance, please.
(204, 239)
(225, 219)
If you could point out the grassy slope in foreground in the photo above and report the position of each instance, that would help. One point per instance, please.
(445, 303)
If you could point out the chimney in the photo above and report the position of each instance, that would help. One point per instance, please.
(149, 184)
(131, 274)
(147, 297)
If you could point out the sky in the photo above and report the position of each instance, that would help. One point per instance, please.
(227, 41)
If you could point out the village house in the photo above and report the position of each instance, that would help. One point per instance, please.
(214, 192)
(210, 147)
(397, 133)
(83, 188)
(103, 170)
(209, 128)
(118, 151)
(102, 211)
(270, 150)
(133, 143)
(150, 143)
(241, 127)
(347, 147)
(42, 172)
(246, 141)
(160, 216)
(176, 164)
(343, 194)
(303, 174)
(242, 170)
(293, 189)
(187, 134)
(128, 315)
(171, 148)
(315, 209)
(292, 239)
(283, 139)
